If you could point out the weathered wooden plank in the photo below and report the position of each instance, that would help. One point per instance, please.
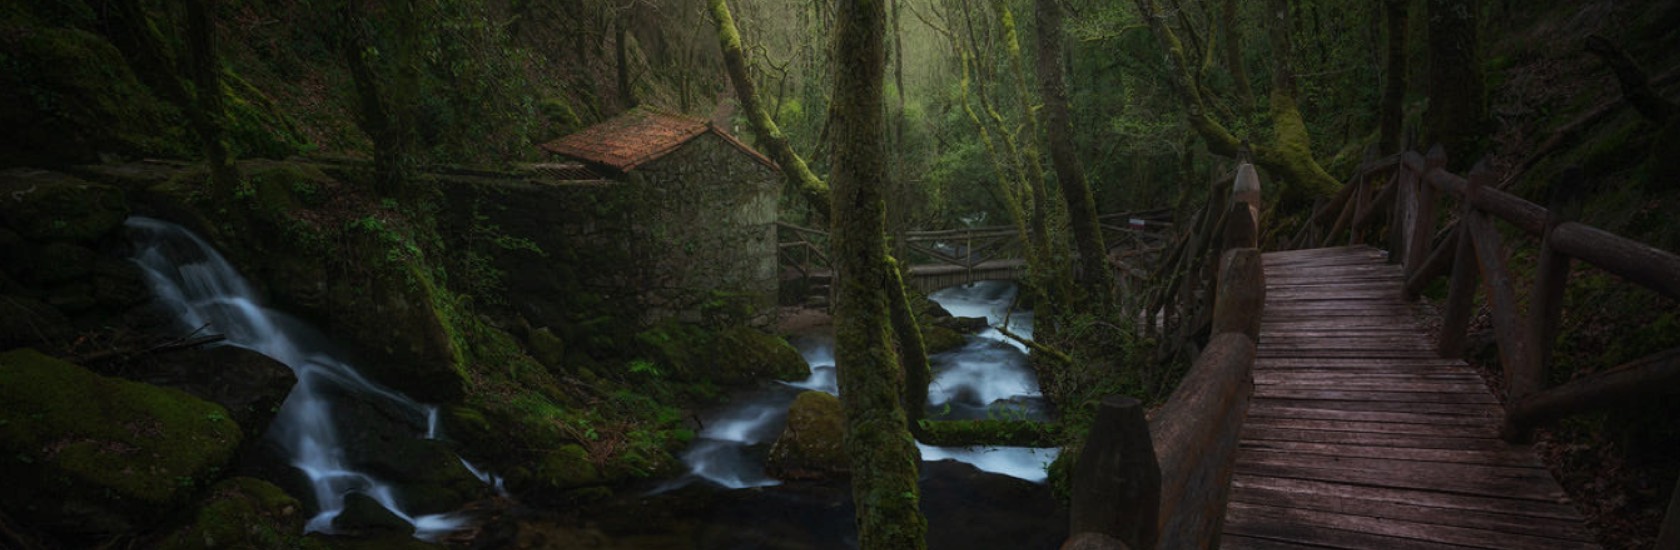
(1394, 527)
(1504, 457)
(1446, 386)
(1247, 523)
(1388, 406)
(1422, 478)
(1411, 497)
(1432, 430)
(1485, 520)
(1274, 392)
(1239, 542)
(1405, 441)
(1362, 362)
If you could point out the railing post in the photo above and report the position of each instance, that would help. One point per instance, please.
(1546, 303)
(1397, 253)
(1423, 218)
(1117, 481)
(1361, 203)
(1455, 321)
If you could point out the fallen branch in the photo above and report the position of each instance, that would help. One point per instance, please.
(1052, 353)
(126, 353)
(1566, 135)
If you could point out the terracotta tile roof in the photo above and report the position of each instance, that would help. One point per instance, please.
(640, 136)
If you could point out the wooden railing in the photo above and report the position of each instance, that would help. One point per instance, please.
(1470, 247)
(1165, 481)
(1178, 306)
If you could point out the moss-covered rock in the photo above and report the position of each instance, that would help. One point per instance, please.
(362, 515)
(86, 453)
(68, 96)
(735, 356)
(250, 385)
(744, 355)
(46, 206)
(812, 446)
(547, 348)
(564, 476)
(938, 339)
(243, 512)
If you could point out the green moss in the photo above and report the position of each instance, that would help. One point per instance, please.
(68, 95)
(939, 339)
(102, 452)
(48, 206)
(566, 468)
(812, 444)
(243, 512)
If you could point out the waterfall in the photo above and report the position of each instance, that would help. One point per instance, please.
(204, 290)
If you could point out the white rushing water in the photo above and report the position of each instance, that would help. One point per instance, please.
(987, 377)
(189, 276)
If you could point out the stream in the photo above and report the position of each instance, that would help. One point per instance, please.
(988, 377)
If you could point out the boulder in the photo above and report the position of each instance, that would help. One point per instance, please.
(547, 348)
(744, 355)
(85, 453)
(44, 206)
(242, 512)
(364, 515)
(938, 339)
(965, 325)
(557, 476)
(812, 446)
(250, 385)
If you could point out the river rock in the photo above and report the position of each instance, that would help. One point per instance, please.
(560, 477)
(242, 512)
(938, 339)
(812, 446)
(250, 385)
(965, 325)
(85, 453)
(744, 355)
(364, 515)
(47, 206)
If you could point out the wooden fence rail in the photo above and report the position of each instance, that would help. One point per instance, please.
(1164, 482)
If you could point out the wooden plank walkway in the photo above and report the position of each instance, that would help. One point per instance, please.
(1359, 436)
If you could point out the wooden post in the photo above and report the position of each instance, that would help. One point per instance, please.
(1423, 220)
(1397, 217)
(1455, 320)
(1550, 281)
(1241, 231)
(1241, 293)
(1361, 203)
(1117, 482)
(1501, 297)
(1436, 265)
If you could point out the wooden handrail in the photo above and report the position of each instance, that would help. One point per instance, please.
(1172, 493)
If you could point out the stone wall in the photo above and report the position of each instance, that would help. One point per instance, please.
(690, 236)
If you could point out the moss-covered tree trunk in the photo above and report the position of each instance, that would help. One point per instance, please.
(1032, 163)
(1096, 276)
(207, 113)
(882, 454)
(1232, 44)
(1457, 117)
(1391, 113)
(1289, 156)
(380, 104)
(912, 352)
(798, 175)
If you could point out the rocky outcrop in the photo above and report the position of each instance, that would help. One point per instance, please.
(85, 453)
(812, 444)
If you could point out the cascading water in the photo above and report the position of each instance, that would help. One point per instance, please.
(987, 377)
(205, 291)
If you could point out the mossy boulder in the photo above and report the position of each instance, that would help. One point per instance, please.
(67, 96)
(44, 206)
(250, 385)
(812, 446)
(745, 355)
(563, 476)
(938, 339)
(547, 348)
(738, 355)
(243, 512)
(85, 453)
(362, 515)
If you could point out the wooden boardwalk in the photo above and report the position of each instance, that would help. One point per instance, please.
(1360, 436)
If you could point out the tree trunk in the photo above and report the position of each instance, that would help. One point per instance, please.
(798, 175)
(1234, 54)
(1457, 117)
(912, 352)
(208, 114)
(882, 454)
(1290, 157)
(1050, 277)
(1391, 113)
(621, 54)
(1097, 277)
